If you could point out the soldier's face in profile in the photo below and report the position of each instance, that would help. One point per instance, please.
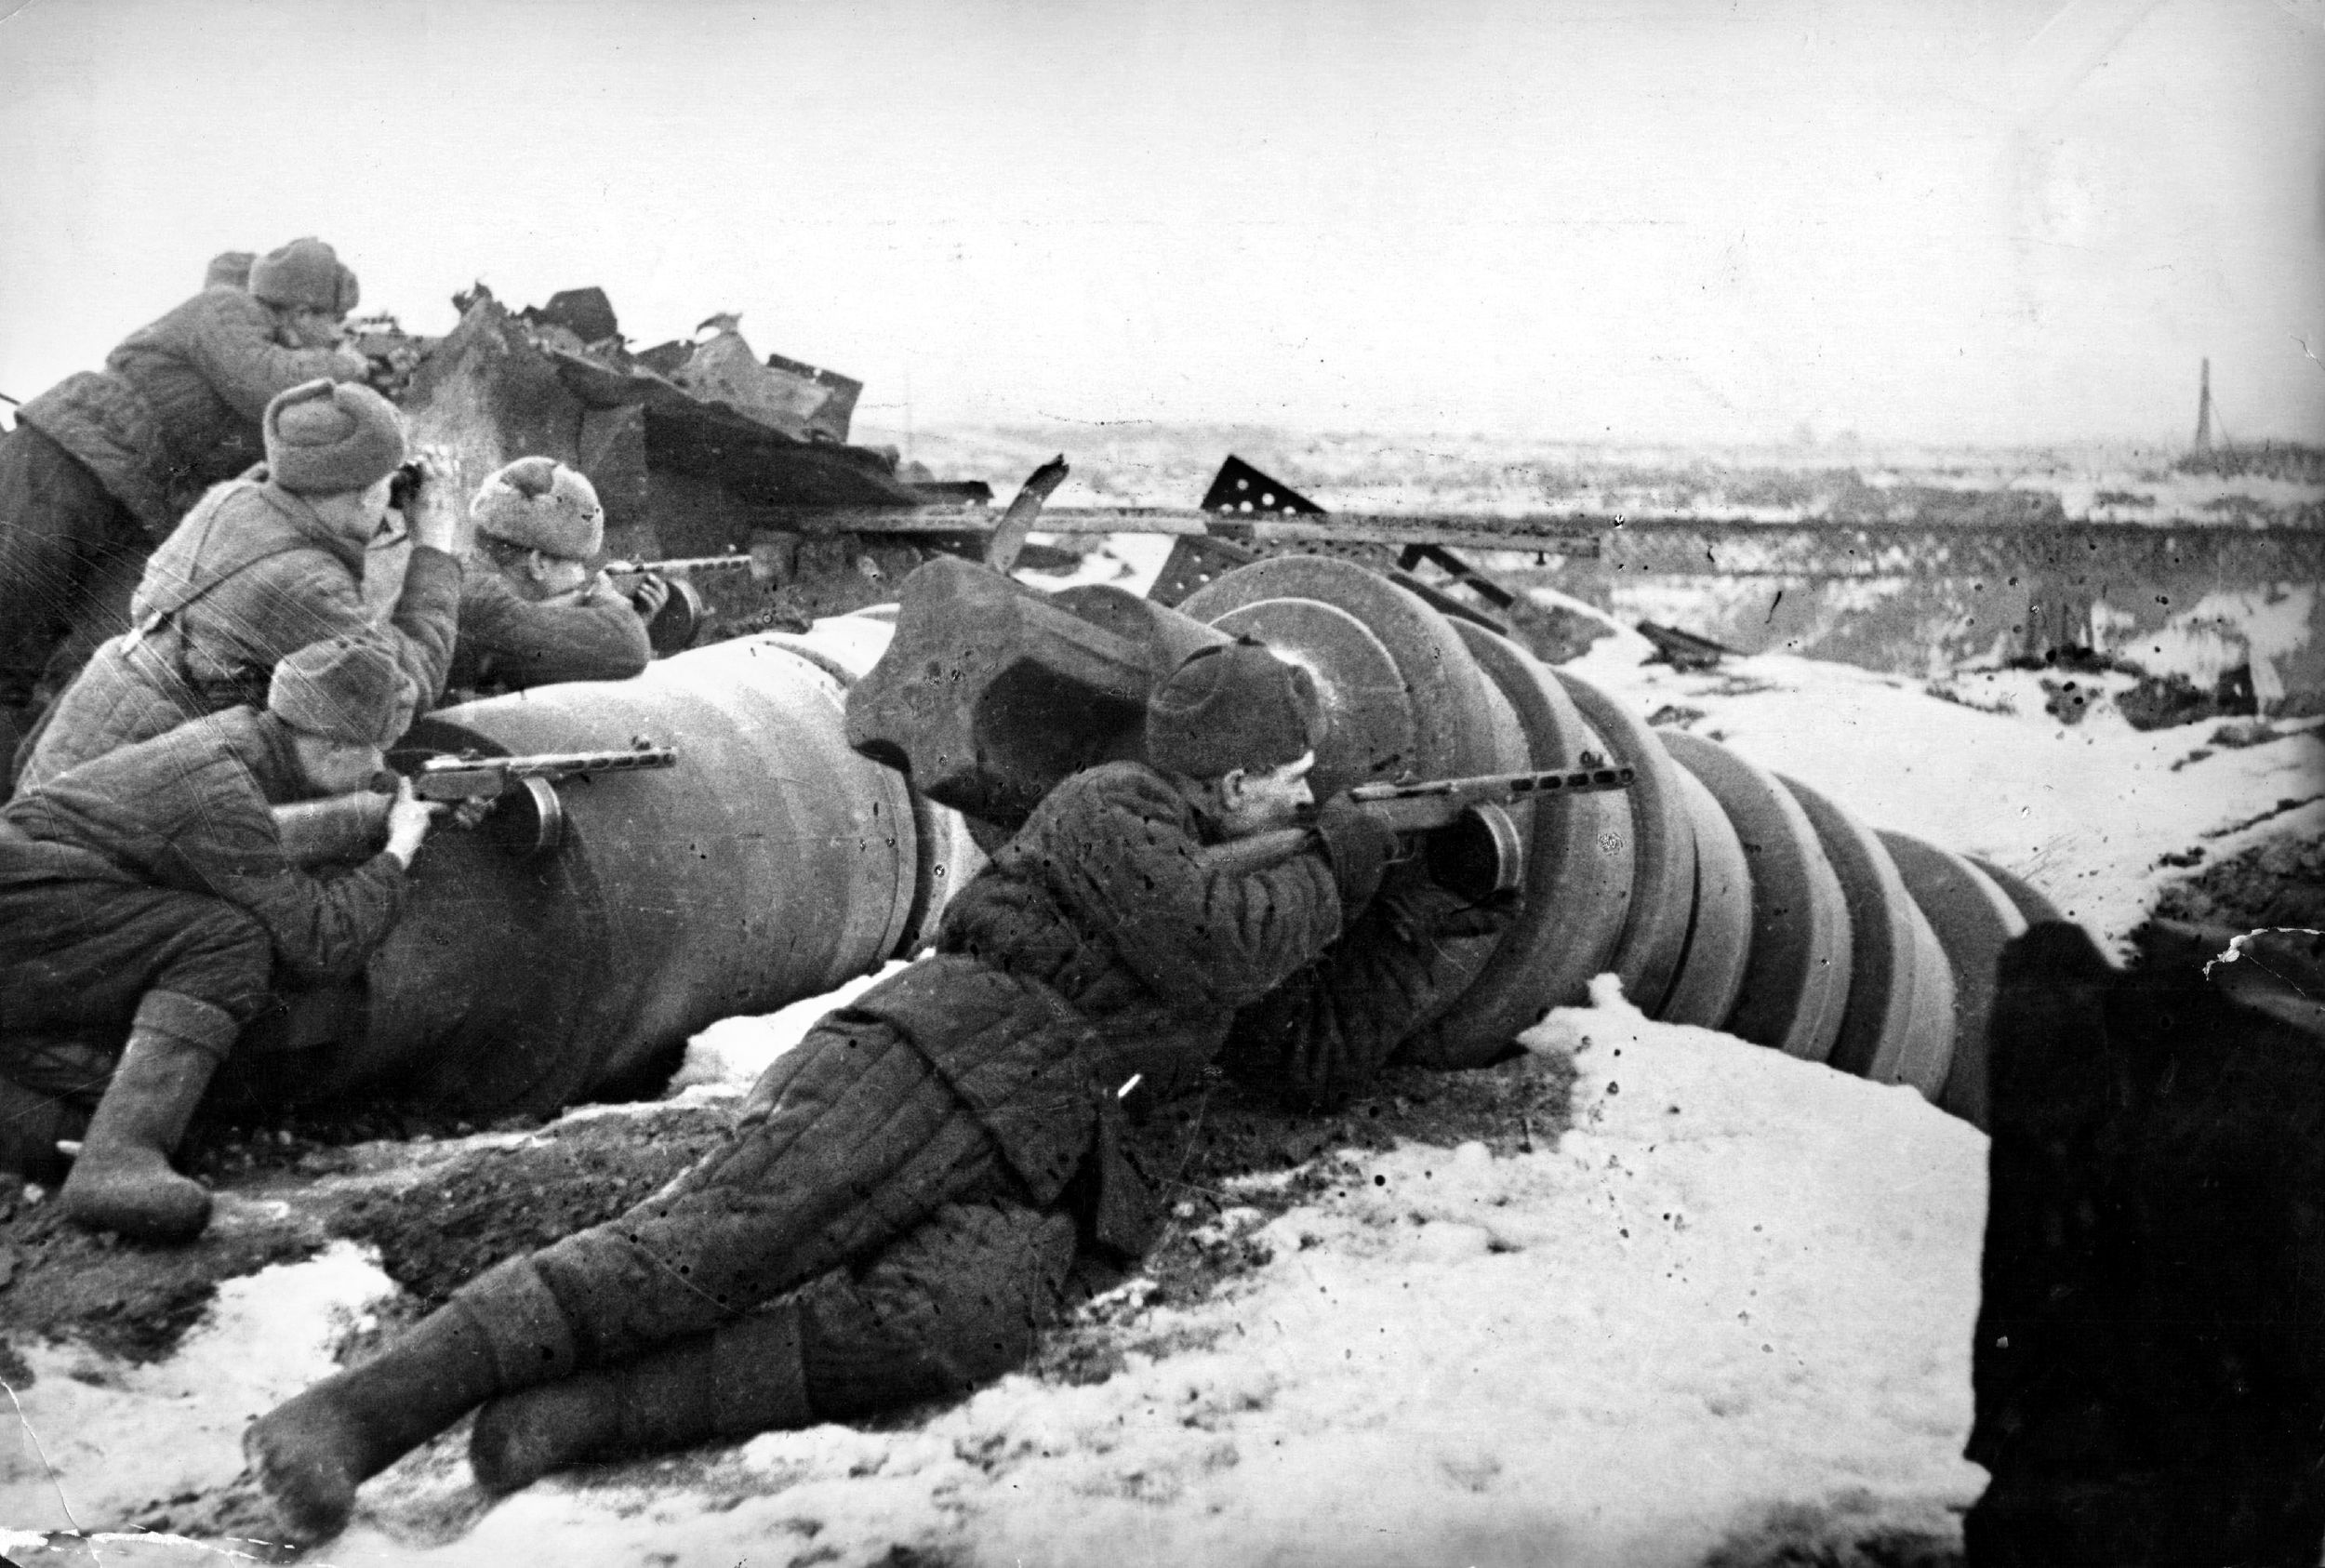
(376, 496)
(315, 329)
(336, 768)
(1255, 802)
(539, 576)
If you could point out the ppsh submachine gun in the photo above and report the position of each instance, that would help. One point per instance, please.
(533, 822)
(680, 622)
(540, 825)
(1460, 829)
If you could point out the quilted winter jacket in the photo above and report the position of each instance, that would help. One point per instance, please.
(177, 407)
(1322, 1035)
(1103, 897)
(190, 811)
(508, 643)
(251, 576)
(1095, 947)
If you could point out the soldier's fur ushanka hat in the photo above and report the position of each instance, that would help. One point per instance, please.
(346, 689)
(539, 503)
(229, 269)
(323, 436)
(305, 275)
(1232, 706)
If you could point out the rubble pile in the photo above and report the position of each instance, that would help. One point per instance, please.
(695, 449)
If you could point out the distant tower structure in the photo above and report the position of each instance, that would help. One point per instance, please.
(2203, 411)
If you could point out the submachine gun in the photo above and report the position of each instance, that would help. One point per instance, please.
(683, 616)
(1460, 828)
(457, 779)
(349, 826)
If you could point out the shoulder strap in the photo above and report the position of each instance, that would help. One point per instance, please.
(173, 580)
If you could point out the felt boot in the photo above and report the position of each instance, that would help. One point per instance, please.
(735, 1381)
(502, 1330)
(122, 1180)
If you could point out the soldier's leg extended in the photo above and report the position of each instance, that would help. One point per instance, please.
(850, 1140)
(953, 1304)
(77, 961)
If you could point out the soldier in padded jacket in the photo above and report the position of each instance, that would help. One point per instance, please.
(266, 565)
(146, 909)
(531, 610)
(104, 464)
(894, 1215)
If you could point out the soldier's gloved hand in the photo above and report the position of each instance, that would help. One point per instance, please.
(650, 595)
(1360, 847)
(349, 365)
(408, 821)
(435, 513)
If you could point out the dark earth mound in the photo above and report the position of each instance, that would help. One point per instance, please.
(2279, 883)
(441, 1209)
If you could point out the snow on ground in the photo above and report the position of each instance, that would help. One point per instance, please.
(727, 1057)
(2084, 811)
(1739, 1282)
(90, 1440)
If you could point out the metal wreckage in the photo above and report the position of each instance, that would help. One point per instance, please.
(856, 696)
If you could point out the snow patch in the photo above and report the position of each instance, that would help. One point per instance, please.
(2085, 812)
(100, 1440)
(1741, 1280)
(727, 1058)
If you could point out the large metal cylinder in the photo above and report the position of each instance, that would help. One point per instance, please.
(1748, 903)
(1720, 894)
(771, 863)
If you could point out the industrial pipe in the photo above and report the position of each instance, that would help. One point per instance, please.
(1718, 892)
(789, 850)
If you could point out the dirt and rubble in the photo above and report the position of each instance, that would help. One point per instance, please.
(2280, 882)
(440, 1207)
(441, 1202)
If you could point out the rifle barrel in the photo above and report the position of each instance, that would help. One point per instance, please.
(461, 777)
(1499, 786)
(1416, 808)
(556, 762)
(679, 565)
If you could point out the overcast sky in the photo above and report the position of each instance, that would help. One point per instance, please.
(1989, 220)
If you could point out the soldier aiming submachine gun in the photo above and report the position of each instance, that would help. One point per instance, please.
(347, 827)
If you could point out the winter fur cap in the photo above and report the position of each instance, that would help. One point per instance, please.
(1233, 706)
(325, 435)
(305, 275)
(346, 689)
(539, 503)
(229, 269)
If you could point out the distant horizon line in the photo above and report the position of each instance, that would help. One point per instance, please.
(1829, 446)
